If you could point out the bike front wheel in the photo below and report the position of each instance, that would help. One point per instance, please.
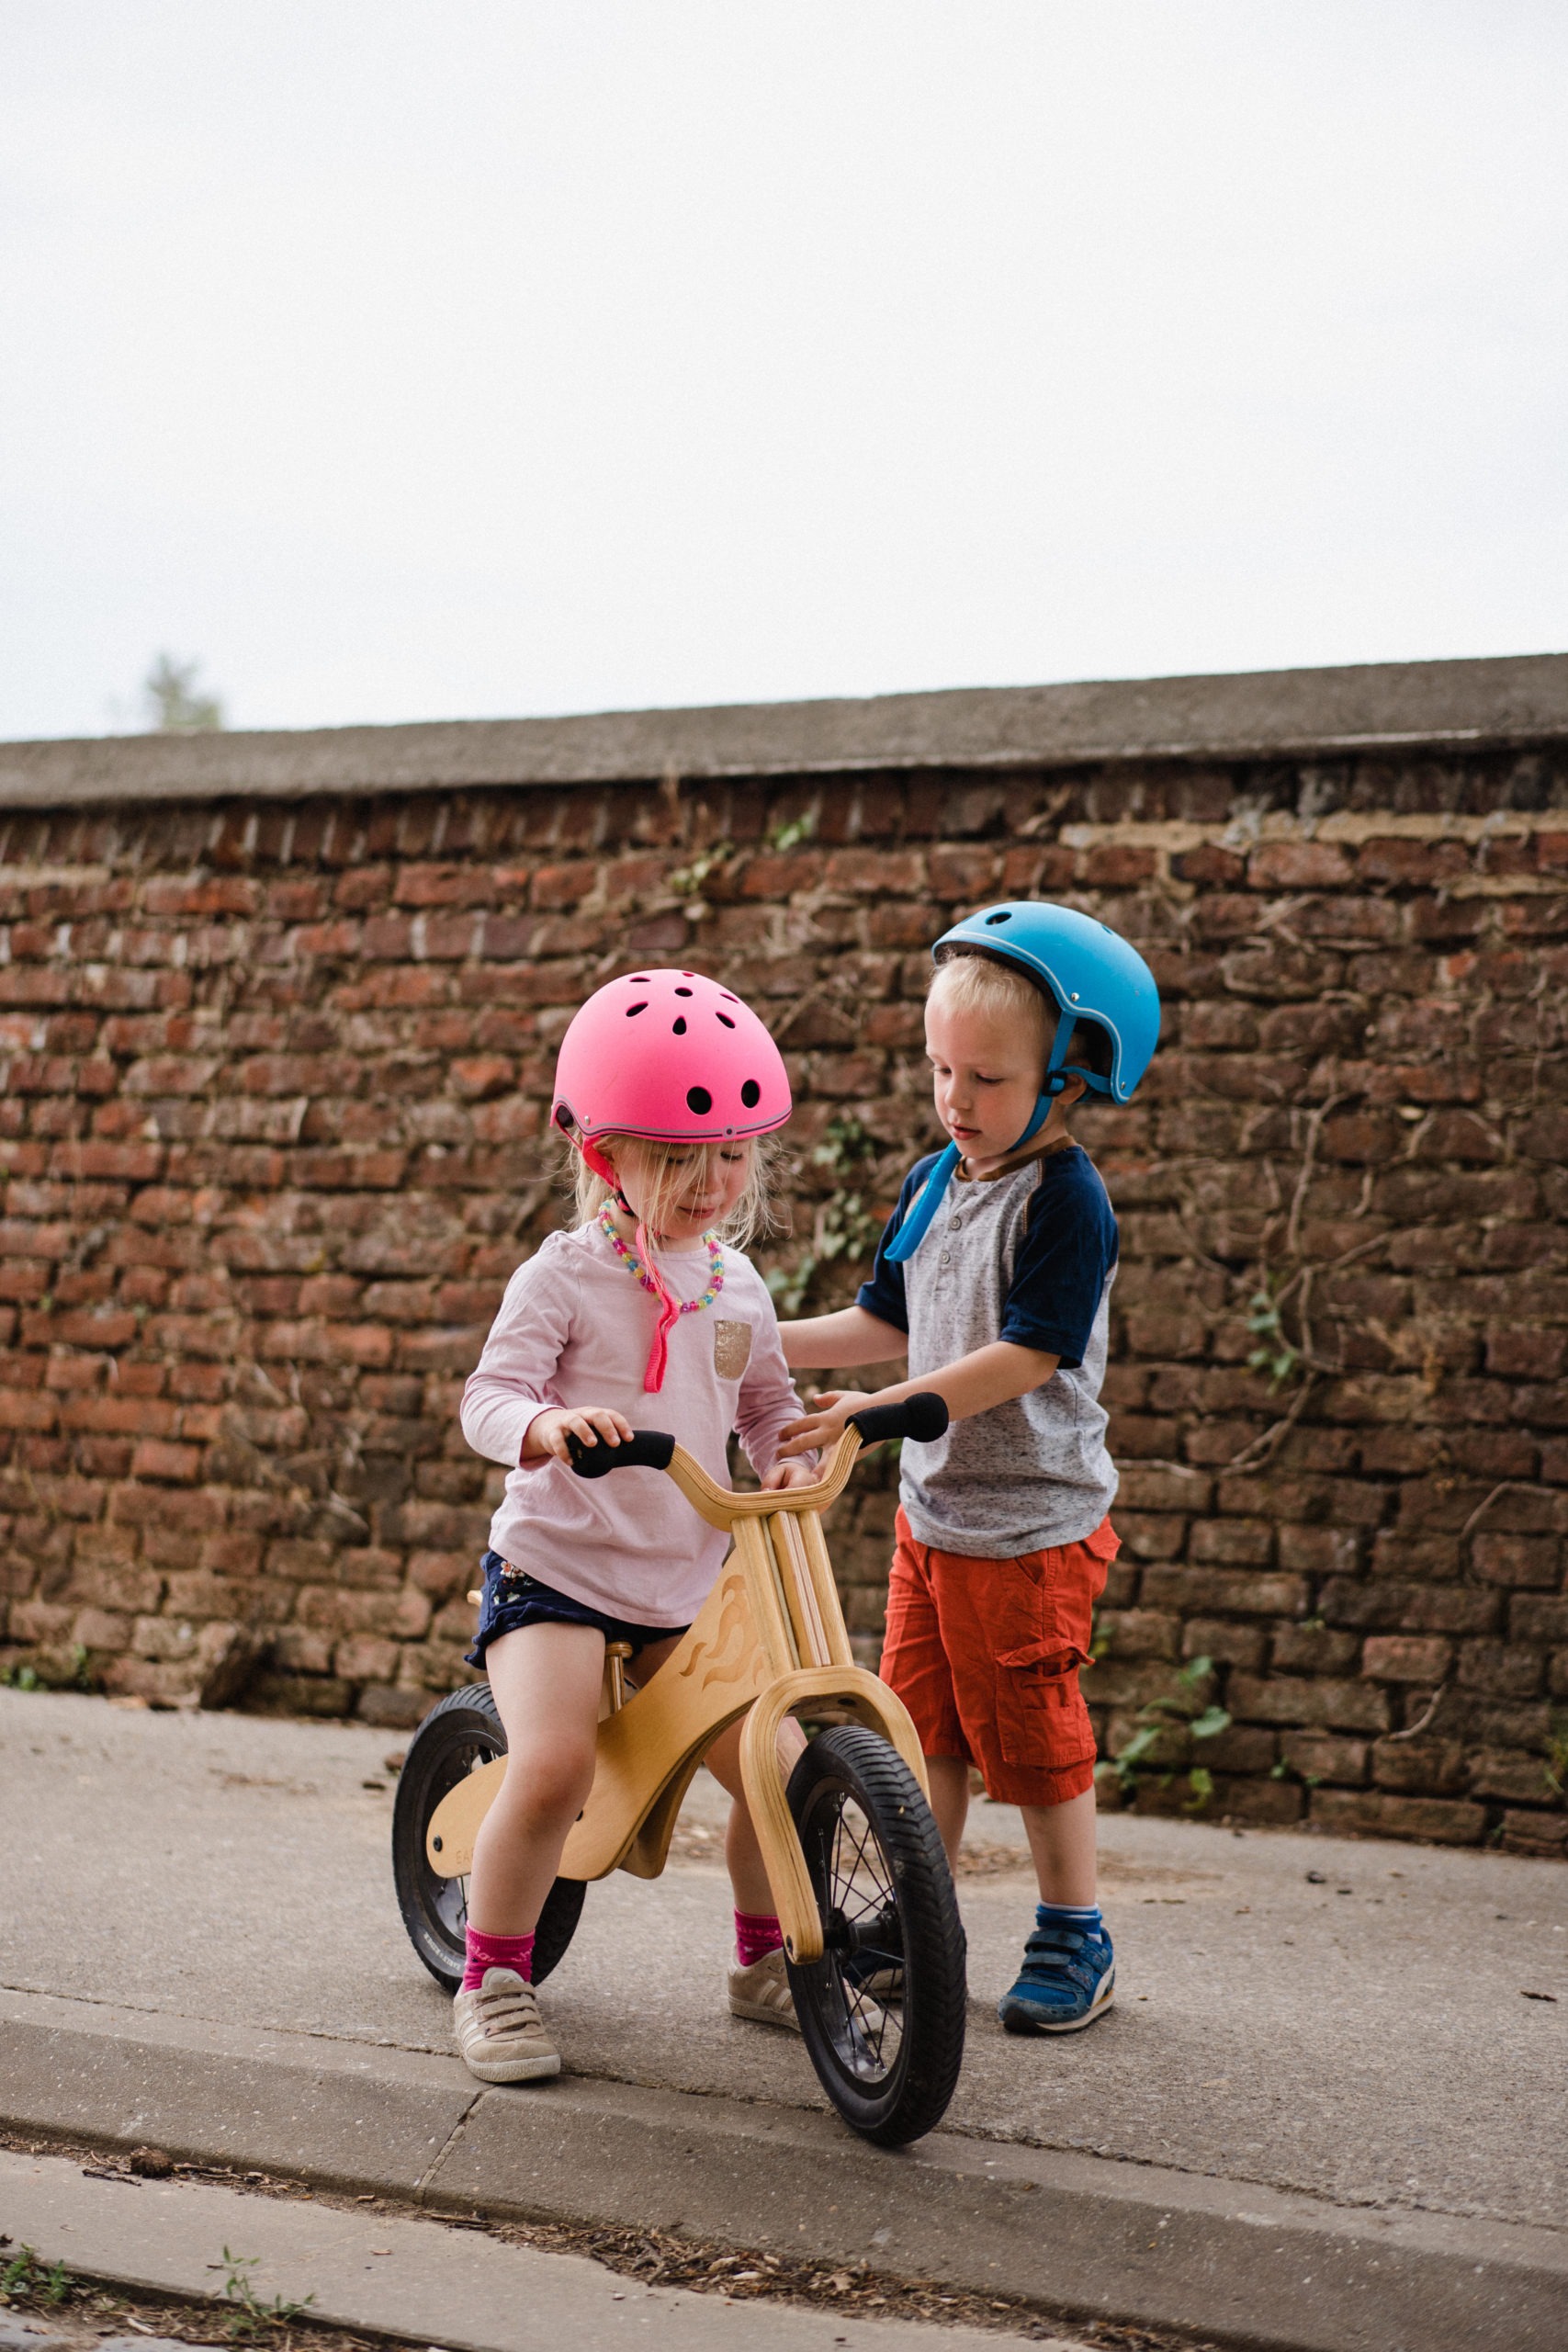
(456, 1736)
(882, 2012)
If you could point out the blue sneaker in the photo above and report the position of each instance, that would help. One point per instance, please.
(1068, 1977)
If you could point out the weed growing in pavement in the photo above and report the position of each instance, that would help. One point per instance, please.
(1183, 1715)
(248, 2316)
(25, 2279)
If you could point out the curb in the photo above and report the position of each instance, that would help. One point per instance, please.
(1094, 2238)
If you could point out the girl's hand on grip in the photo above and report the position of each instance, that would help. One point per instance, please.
(591, 1424)
(789, 1474)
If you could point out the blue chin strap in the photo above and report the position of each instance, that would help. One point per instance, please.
(929, 1198)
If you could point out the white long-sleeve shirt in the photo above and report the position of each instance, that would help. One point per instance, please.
(574, 1329)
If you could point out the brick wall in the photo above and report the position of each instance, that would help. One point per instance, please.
(270, 1136)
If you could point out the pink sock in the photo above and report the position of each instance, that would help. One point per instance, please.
(757, 1933)
(495, 1951)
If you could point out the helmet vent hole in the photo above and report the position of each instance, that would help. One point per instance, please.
(632, 1009)
(750, 1094)
(726, 1019)
(678, 1026)
(699, 1099)
(639, 980)
(727, 998)
(683, 991)
(1004, 915)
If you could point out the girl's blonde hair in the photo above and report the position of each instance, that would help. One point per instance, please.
(669, 1167)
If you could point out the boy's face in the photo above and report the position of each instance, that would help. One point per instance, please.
(985, 1077)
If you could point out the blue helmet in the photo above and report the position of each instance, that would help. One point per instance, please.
(1091, 973)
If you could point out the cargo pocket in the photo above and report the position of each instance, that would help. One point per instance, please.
(1041, 1716)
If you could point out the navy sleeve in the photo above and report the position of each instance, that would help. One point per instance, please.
(1062, 1261)
(882, 1295)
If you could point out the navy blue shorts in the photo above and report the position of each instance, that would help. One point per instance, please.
(513, 1600)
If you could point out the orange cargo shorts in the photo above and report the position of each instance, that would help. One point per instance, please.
(985, 1653)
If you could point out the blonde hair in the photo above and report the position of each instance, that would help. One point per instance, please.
(669, 1174)
(975, 983)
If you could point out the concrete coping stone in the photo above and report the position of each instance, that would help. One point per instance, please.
(1102, 2237)
(1515, 700)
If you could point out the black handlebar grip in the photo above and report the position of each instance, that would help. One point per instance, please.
(644, 1450)
(922, 1416)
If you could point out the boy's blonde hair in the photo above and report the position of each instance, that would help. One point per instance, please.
(970, 982)
(669, 1170)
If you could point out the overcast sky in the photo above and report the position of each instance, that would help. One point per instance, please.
(407, 361)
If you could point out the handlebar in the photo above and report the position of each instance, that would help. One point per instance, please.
(644, 1450)
(923, 1418)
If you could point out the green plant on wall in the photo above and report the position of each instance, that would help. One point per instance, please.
(1161, 1746)
(846, 1225)
(1274, 1354)
(1555, 1770)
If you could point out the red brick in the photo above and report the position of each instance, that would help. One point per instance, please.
(156, 1458)
(1299, 866)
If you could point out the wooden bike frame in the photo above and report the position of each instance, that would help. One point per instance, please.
(768, 1641)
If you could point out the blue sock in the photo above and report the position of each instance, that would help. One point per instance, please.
(1067, 1915)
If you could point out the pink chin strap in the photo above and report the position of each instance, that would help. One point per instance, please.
(669, 1308)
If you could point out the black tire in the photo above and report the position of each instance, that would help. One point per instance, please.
(885, 1895)
(456, 1736)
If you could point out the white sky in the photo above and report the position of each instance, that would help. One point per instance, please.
(411, 360)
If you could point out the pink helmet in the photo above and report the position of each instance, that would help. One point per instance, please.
(670, 1056)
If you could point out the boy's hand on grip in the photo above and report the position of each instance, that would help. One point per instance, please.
(823, 1426)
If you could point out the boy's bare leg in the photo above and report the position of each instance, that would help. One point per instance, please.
(1062, 1840)
(949, 1778)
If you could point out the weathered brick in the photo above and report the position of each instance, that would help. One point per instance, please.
(1406, 1658)
(1346, 1813)
(1205, 1590)
(1330, 1705)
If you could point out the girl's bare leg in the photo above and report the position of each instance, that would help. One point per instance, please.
(546, 1682)
(742, 1853)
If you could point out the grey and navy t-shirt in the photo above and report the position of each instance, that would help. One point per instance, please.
(1027, 1255)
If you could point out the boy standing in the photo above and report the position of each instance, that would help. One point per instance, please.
(994, 1278)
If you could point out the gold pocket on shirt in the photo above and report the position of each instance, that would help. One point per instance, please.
(731, 1348)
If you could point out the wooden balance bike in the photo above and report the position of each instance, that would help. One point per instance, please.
(861, 1884)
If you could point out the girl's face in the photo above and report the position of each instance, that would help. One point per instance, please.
(985, 1077)
(679, 1193)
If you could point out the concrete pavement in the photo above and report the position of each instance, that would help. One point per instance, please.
(1343, 2060)
(414, 2279)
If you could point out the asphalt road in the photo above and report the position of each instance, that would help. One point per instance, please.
(1364, 2034)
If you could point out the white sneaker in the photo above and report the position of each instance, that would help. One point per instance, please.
(762, 1992)
(500, 2033)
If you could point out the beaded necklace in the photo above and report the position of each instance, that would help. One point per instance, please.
(633, 1264)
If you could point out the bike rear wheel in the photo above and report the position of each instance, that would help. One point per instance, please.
(456, 1736)
(889, 1915)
